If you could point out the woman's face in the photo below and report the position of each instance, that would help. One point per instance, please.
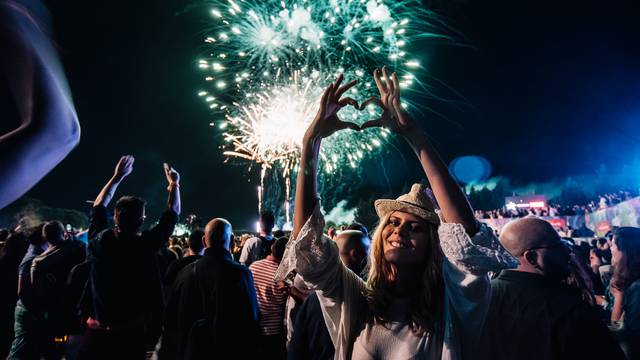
(405, 239)
(616, 254)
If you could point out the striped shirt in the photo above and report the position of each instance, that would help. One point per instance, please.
(271, 300)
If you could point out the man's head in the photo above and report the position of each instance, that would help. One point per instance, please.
(277, 248)
(35, 235)
(196, 241)
(129, 214)
(359, 227)
(217, 234)
(354, 249)
(53, 232)
(267, 222)
(537, 246)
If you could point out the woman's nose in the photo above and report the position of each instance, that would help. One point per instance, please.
(401, 230)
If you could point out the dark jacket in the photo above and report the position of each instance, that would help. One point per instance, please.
(532, 317)
(49, 273)
(220, 290)
(311, 339)
(174, 269)
(124, 285)
(26, 295)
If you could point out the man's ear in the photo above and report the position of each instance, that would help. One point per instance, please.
(531, 257)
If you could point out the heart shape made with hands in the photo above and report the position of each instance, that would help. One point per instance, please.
(393, 117)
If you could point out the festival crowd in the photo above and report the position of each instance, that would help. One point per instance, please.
(430, 281)
(559, 209)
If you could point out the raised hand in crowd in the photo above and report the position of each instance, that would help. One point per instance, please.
(324, 124)
(44, 127)
(454, 205)
(124, 167)
(327, 121)
(393, 115)
(173, 178)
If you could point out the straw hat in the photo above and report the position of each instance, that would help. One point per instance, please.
(416, 202)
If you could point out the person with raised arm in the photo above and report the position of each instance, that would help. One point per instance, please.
(39, 123)
(124, 288)
(427, 291)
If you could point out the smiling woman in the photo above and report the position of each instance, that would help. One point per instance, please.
(426, 271)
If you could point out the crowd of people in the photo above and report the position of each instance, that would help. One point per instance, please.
(556, 209)
(430, 281)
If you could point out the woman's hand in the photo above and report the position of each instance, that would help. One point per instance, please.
(326, 121)
(393, 116)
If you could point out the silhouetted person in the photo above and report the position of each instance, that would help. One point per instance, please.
(257, 248)
(212, 311)
(14, 250)
(49, 273)
(533, 315)
(124, 286)
(196, 246)
(30, 338)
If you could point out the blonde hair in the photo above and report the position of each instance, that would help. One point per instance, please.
(427, 303)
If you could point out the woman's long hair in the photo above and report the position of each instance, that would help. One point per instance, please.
(579, 278)
(426, 304)
(627, 270)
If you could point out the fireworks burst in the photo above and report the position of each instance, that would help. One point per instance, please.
(269, 62)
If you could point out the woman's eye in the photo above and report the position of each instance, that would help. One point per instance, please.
(394, 222)
(417, 228)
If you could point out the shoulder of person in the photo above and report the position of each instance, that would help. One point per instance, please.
(252, 241)
(243, 269)
(185, 274)
(258, 263)
(632, 294)
(634, 288)
(105, 234)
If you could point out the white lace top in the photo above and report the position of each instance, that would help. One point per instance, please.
(340, 291)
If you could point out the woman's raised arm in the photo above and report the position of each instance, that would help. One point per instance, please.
(325, 123)
(453, 204)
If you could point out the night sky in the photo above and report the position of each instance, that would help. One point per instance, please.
(542, 89)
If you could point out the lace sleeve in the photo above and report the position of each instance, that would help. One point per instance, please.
(311, 254)
(476, 255)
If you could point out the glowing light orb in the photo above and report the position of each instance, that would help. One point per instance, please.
(470, 169)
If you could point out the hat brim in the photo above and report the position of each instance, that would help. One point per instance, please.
(385, 207)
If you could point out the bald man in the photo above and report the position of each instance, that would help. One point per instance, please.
(532, 314)
(226, 288)
(354, 249)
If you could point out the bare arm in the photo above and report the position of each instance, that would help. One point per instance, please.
(173, 178)
(616, 311)
(123, 169)
(48, 125)
(453, 204)
(325, 123)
